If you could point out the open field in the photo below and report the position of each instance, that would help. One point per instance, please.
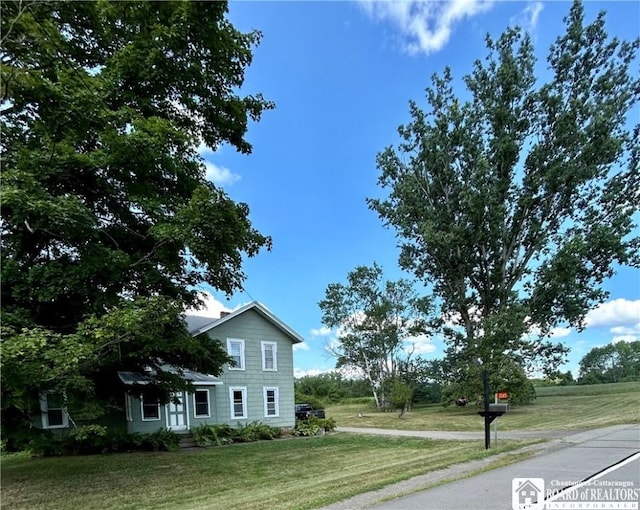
(557, 407)
(284, 474)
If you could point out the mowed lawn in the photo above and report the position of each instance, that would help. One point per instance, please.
(283, 474)
(557, 407)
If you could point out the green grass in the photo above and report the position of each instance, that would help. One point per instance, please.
(298, 473)
(559, 407)
(285, 474)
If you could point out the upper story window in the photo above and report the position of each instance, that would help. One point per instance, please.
(54, 412)
(235, 349)
(269, 356)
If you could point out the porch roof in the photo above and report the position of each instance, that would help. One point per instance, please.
(196, 378)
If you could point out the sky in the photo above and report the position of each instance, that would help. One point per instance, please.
(342, 75)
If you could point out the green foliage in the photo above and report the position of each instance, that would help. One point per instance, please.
(556, 378)
(212, 435)
(306, 428)
(611, 363)
(375, 318)
(108, 220)
(517, 203)
(217, 435)
(508, 376)
(256, 431)
(329, 386)
(398, 394)
(313, 426)
(314, 401)
(427, 393)
(92, 439)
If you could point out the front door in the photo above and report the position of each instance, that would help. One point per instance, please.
(176, 413)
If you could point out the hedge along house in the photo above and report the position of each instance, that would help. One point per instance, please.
(258, 388)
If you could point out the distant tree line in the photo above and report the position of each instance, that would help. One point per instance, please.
(334, 388)
(619, 362)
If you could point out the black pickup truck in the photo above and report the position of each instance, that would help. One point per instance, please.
(305, 411)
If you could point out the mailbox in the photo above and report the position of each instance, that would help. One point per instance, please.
(495, 410)
(498, 408)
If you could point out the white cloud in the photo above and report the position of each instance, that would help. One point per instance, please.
(626, 330)
(212, 307)
(614, 313)
(420, 344)
(625, 338)
(560, 332)
(204, 150)
(301, 347)
(425, 26)
(298, 372)
(319, 332)
(528, 18)
(220, 175)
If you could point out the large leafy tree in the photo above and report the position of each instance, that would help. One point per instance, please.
(611, 363)
(108, 221)
(516, 200)
(375, 321)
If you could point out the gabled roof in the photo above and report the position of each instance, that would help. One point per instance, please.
(197, 325)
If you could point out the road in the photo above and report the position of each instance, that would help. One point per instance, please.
(607, 461)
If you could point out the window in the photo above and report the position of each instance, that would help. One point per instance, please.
(54, 413)
(150, 408)
(269, 356)
(235, 348)
(238, 402)
(201, 404)
(271, 405)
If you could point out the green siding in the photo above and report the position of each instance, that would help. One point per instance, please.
(253, 328)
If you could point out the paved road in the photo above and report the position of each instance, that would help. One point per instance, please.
(566, 461)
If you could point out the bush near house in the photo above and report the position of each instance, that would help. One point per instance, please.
(313, 425)
(95, 439)
(218, 435)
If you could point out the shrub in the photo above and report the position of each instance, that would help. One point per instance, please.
(87, 439)
(162, 440)
(212, 435)
(313, 425)
(306, 428)
(256, 431)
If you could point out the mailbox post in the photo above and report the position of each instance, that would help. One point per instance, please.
(491, 411)
(487, 420)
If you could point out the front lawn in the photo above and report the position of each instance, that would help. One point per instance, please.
(559, 407)
(284, 474)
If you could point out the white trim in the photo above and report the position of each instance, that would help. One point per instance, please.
(44, 411)
(195, 407)
(168, 413)
(276, 392)
(262, 310)
(128, 407)
(142, 410)
(240, 341)
(274, 352)
(242, 389)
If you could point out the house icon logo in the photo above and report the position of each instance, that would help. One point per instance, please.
(527, 494)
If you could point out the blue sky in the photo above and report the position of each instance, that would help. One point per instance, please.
(341, 75)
